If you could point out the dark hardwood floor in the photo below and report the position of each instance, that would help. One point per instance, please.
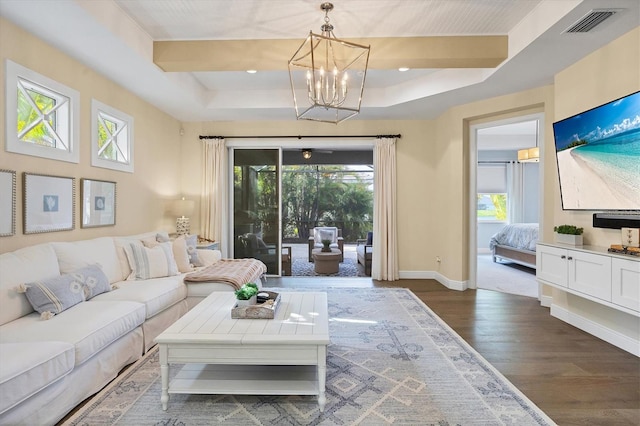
(574, 377)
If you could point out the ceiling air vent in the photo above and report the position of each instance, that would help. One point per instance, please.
(591, 20)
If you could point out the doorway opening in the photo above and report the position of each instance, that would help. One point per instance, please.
(505, 202)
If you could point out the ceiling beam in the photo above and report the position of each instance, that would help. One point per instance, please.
(386, 53)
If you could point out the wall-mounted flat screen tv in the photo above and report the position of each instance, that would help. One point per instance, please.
(598, 157)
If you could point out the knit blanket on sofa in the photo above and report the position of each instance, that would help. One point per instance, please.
(236, 272)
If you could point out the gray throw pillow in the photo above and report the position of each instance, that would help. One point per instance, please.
(94, 279)
(192, 250)
(57, 294)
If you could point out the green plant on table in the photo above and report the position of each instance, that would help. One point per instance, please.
(568, 229)
(247, 291)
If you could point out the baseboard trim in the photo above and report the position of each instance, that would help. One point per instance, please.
(432, 275)
(608, 335)
(417, 275)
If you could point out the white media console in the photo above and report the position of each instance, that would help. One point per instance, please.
(592, 273)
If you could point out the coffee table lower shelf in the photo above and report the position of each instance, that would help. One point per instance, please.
(246, 379)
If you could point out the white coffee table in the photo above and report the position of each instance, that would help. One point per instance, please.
(282, 356)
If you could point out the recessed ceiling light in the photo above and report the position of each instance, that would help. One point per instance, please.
(252, 71)
(403, 69)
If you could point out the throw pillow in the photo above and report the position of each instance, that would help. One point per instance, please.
(327, 234)
(93, 279)
(369, 238)
(149, 263)
(55, 295)
(150, 242)
(181, 255)
(192, 250)
(162, 237)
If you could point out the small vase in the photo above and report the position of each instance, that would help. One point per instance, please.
(326, 249)
(248, 302)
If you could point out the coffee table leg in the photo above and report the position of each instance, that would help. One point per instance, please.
(322, 376)
(164, 372)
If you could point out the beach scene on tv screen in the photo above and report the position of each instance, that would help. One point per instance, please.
(598, 153)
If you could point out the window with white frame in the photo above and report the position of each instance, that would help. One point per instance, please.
(492, 193)
(42, 115)
(112, 138)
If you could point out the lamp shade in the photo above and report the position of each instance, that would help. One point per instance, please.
(529, 155)
(183, 207)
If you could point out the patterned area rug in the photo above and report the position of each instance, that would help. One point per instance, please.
(391, 361)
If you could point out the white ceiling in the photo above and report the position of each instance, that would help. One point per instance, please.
(115, 37)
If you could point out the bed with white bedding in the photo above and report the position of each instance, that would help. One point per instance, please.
(516, 243)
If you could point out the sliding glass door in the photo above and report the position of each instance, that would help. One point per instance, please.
(256, 206)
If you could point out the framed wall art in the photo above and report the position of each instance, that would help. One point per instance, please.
(98, 203)
(49, 203)
(7, 203)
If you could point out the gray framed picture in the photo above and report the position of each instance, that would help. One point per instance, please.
(98, 203)
(49, 203)
(7, 203)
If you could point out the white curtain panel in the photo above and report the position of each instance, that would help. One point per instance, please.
(213, 190)
(384, 264)
(515, 192)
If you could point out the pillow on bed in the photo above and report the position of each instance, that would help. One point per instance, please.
(149, 263)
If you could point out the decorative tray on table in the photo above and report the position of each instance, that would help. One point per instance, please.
(266, 309)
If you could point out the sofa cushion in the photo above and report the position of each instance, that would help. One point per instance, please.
(360, 250)
(149, 263)
(78, 254)
(325, 233)
(29, 367)
(90, 326)
(22, 266)
(156, 294)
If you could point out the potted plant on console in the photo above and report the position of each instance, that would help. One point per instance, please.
(326, 246)
(247, 294)
(568, 234)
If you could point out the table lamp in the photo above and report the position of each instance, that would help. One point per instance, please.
(183, 208)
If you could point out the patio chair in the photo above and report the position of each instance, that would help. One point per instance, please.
(364, 251)
(251, 245)
(319, 233)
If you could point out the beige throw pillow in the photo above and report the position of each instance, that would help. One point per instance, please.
(181, 254)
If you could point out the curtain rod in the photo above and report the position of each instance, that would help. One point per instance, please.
(300, 137)
(497, 162)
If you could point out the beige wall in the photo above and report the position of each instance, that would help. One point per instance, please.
(450, 227)
(140, 196)
(607, 74)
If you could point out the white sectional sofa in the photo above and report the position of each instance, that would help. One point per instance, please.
(51, 363)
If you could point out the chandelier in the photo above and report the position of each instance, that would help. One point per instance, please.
(327, 75)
